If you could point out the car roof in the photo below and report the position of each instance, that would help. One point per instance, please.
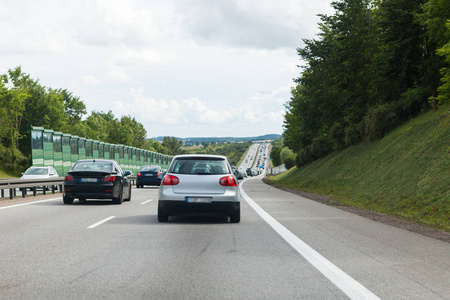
(200, 155)
(96, 160)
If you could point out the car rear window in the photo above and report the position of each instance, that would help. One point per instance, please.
(201, 166)
(93, 166)
(36, 171)
(149, 169)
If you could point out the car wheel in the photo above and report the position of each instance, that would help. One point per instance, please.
(129, 195)
(162, 216)
(67, 200)
(119, 199)
(236, 217)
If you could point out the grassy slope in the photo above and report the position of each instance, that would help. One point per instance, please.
(406, 174)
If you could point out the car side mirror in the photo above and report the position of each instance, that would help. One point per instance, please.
(127, 173)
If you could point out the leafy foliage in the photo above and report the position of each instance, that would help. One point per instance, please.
(25, 102)
(375, 64)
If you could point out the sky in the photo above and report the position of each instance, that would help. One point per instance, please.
(184, 68)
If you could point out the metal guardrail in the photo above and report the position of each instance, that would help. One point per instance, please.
(23, 184)
(33, 184)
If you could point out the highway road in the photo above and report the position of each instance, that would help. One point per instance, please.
(285, 247)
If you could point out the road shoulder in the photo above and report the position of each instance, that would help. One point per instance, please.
(375, 216)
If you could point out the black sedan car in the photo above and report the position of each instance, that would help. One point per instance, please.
(149, 175)
(96, 179)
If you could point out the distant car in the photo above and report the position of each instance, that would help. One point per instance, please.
(149, 175)
(199, 184)
(249, 172)
(239, 174)
(39, 172)
(96, 179)
(128, 173)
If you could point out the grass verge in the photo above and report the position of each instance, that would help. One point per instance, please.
(406, 174)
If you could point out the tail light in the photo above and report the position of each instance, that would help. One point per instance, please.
(228, 181)
(68, 178)
(109, 178)
(139, 174)
(159, 173)
(170, 180)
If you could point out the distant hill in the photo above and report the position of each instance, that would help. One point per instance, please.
(193, 140)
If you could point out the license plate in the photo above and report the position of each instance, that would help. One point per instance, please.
(198, 199)
(88, 179)
(148, 174)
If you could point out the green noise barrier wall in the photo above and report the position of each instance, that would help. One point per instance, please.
(61, 151)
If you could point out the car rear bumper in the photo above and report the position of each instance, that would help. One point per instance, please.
(91, 192)
(176, 208)
(148, 181)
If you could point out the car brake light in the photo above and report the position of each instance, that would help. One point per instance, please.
(170, 180)
(109, 178)
(159, 173)
(228, 181)
(68, 178)
(139, 174)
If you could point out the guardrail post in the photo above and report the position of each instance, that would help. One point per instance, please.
(44, 190)
(24, 192)
(34, 191)
(11, 194)
(3, 193)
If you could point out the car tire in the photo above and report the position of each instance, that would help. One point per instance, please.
(119, 199)
(67, 200)
(236, 217)
(162, 216)
(129, 195)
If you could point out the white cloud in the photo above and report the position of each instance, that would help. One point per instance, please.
(207, 67)
(200, 115)
(91, 80)
(118, 76)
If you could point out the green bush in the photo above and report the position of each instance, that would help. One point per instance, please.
(380, 120)
(338, 136)
(275, 155)
(12, 161)
(289, 162)
(321, 147)
(287, 157)
(353, 134)
(304, 156)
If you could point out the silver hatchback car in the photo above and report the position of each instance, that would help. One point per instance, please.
(199, 184)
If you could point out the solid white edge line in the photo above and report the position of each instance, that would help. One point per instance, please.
(28, 203)
(352, 288)
(145, 202)
(101, 222)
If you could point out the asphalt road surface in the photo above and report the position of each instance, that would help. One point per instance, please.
(285, 247)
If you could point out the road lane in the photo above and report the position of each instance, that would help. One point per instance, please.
(391, 262)
(48, 252)
(52, 254)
